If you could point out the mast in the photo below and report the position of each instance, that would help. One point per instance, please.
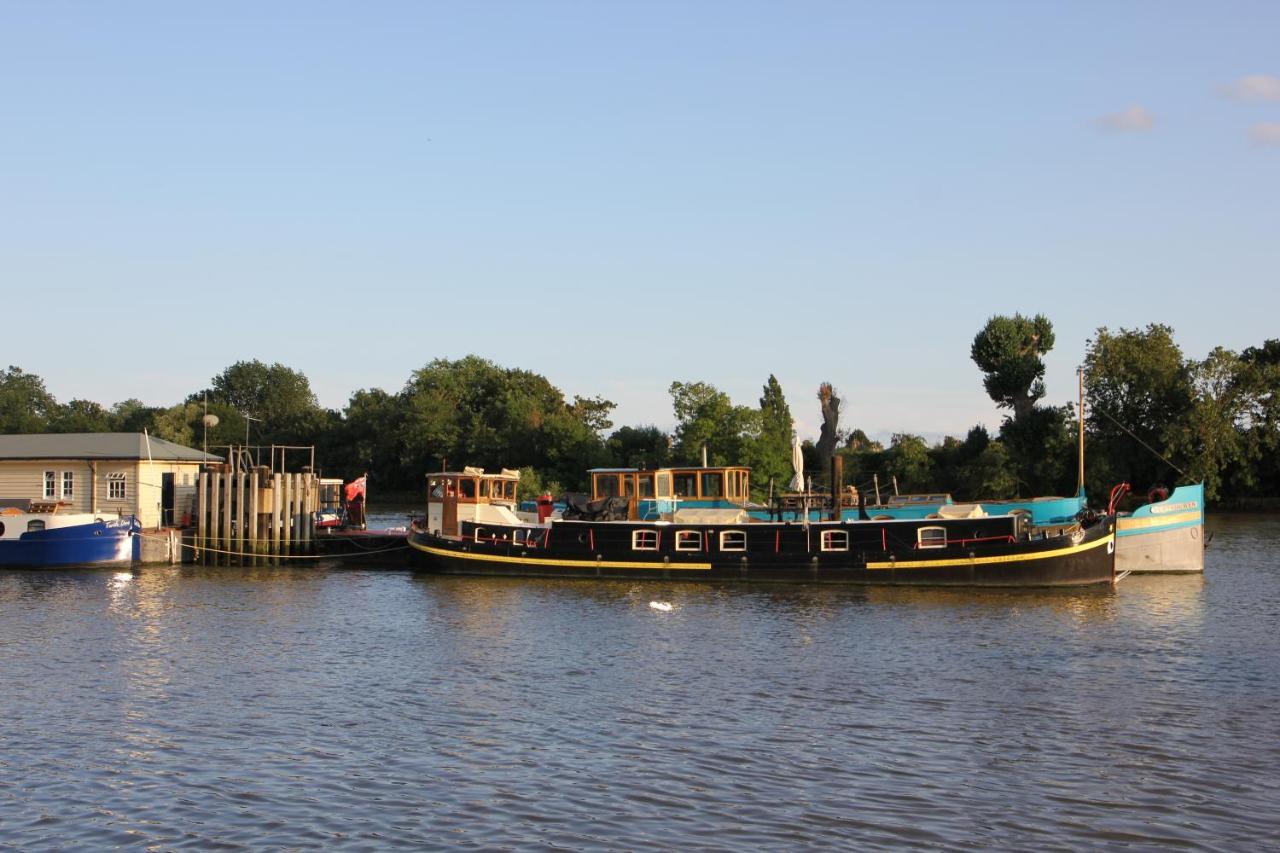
(1080, 413)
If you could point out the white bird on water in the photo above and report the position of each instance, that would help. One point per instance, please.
(664, 606)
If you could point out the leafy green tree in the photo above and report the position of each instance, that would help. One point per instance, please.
(473, 412)
(1210, 434)
(25, 405)
(80, 416)
(990, 475)
(639, 447)
(278, 399)
(770, 454)
(707, 417)
(1139, 388)
(132, 415)
(1010, 353)
(908, 461)
(1258, 379)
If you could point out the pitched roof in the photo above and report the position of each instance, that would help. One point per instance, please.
(98, 445)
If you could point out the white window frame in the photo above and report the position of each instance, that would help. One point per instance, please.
(117, 481)
(932, 543)
(476, 534)
(50, 485)
(68, 484)
(644, 540)
(740, 543)
(835, 540)
(685, 537)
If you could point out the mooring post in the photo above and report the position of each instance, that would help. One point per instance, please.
(215, 517)
(255, 544)
(202, 510)
(241, 519)
(227, 492)
(286, 526)
(276, 492)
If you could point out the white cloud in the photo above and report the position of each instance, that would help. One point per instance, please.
(1132, 119)
(1266, 133)
(1255, 87)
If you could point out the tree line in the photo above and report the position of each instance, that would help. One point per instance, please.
(1153, 416)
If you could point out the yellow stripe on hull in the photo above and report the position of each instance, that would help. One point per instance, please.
(571, 564)
(1126, 524)
(987, 561)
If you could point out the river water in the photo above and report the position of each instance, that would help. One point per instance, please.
(351, 708)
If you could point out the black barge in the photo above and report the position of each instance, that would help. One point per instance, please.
(471, 528)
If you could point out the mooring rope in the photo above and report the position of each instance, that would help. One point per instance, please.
(273, 557)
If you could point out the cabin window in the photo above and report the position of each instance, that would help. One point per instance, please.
(467, 489)
(508, 488)
(479, 537)
(116, 486)
(1, 528)
(932, 537)
(435, 488)
(50, 485)
(35, 525)
(688, 540)
(68, 484)
(664, 486)
(835, 540)
(644, 540)
(646, 485)
(628, 486)
(733, 540)
(713, 485)
(686, 485)
(484, 488)
(606, 485)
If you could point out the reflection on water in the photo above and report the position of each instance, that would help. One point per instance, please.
(330, 707)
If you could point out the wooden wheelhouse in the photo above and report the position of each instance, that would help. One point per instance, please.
(652, 492)
(470, 495)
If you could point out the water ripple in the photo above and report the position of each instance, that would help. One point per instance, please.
(331, 708)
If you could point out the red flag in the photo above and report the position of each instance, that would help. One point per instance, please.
(356, 487)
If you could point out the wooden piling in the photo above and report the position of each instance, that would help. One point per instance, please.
(215, 517)
(228, 543)
(202, 512)
(242, 517)
(277, 492)
(255, 544)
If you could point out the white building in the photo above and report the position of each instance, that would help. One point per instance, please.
(124, 472)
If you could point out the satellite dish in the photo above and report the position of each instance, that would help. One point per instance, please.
(211, 420)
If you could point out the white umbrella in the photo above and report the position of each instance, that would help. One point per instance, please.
(797, 465)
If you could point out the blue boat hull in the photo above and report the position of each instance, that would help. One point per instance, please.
(100, 543)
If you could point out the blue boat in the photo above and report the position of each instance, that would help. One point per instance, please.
(46, 540)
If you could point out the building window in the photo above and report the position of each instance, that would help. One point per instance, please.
(688, 540)
(733, 540)
(68, 484)
(35, 525)
(50, 485)
(116, 487)
(835, 540)
(932, 537)
(644, 540)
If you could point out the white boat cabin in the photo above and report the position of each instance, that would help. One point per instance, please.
(470, 495)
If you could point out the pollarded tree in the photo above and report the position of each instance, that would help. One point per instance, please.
(1010, 353)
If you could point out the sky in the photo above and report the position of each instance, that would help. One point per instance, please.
(621, 195)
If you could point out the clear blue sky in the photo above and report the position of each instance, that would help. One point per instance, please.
(619, 195)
